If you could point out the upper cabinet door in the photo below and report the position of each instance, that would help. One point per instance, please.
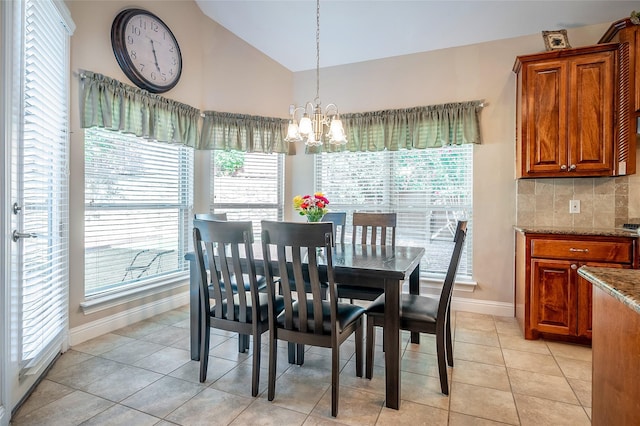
(544, 118)
(591, 109)
(566, 106)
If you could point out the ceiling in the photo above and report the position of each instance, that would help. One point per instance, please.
(360, 30)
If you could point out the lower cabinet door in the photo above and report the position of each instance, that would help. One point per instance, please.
(585, 302)
(553, 296)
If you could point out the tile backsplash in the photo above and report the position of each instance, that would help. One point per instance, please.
(604, 202)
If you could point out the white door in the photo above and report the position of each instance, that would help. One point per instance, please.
(34, 114)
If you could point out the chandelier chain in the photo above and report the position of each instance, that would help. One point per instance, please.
(316, 124)
(317, 51)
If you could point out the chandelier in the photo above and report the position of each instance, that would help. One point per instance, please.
(316, 124)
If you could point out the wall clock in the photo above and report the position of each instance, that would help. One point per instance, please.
(146, 50)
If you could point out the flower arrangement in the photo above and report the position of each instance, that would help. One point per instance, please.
(313, 206)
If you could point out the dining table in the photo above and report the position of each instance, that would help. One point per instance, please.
(384, 267)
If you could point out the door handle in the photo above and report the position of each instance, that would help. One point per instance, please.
(17, 235)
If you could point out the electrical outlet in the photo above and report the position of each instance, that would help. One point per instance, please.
(574, 206)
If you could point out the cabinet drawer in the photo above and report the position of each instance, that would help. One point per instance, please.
(600, 251)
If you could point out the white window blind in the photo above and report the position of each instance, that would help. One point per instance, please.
(429, 189)
(247, 186)
(44, 151)
(138, 196)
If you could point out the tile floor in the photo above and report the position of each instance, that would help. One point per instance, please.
(142, 375)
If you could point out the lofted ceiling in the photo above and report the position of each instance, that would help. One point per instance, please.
(360, 30)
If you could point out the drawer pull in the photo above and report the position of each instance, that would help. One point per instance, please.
(574, 266)
(577, 250)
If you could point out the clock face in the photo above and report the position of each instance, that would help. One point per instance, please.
(146, 50)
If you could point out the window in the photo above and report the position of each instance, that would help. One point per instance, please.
(138, 196)
(430, 189)
(247, 186)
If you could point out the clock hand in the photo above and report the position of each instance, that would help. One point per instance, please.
(155, 57)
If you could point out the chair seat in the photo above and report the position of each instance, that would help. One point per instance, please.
(346, 315)
(413, 307)
(262, 283)
(262, 300)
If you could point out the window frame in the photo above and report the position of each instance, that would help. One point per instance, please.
(118, 293)
(232, 208)
(387, 201)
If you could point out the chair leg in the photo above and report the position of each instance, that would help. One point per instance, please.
(273, 355)
(291, 347)
(243, 343)
(255, 378)
(442, 363)
(204, 351)
(300, 354)
(359, 333)
(335, 380)
(370, 347)
(449, 344)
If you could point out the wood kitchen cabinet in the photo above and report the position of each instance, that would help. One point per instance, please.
(567, 114)
(552, 300)
(624, 31)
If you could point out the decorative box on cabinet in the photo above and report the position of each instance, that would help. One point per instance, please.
(552, 300)
(568, 122)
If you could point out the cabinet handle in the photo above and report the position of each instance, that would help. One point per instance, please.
(574, 266)
(563, 167)
(577, 250)
(572, 168)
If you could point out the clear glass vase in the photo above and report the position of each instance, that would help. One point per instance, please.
(314, 217)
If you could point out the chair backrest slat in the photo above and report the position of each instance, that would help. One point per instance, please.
(449, 281)
(298, 247)
(225, 250)
(376, 226)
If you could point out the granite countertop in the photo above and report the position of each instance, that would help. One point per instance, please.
(559, 230)
(623, 284)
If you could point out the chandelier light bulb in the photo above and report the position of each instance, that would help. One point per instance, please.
(305, 127)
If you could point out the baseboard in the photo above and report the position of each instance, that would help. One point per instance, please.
(488, 307)
(108, 324)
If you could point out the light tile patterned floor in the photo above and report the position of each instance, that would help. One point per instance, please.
(143, 375)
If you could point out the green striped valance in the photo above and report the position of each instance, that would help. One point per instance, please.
(108, 103)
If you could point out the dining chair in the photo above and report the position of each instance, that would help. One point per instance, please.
(307, 321)
(378, 229)
(339, 220)
(243, 340)
(211, 216)
(424, 314)
(225, 245)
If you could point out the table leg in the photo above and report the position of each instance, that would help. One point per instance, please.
(392, 342)
(194, 311)
(414, 288)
